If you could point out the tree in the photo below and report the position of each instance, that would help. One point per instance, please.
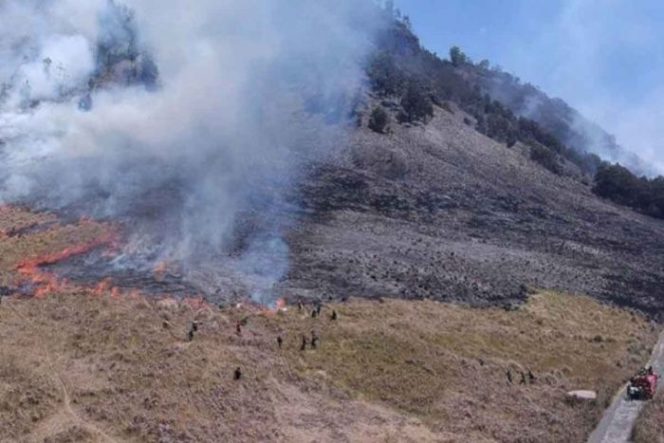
(378, 120)
(457, 57)
(416, 104)
(385, 76)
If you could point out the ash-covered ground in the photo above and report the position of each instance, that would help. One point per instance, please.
(440, 211)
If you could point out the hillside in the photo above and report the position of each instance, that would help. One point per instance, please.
(445, 218)
(441, 211)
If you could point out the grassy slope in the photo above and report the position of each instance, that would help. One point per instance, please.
(78, 367)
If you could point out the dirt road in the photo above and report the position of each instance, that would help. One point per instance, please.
(618, 421)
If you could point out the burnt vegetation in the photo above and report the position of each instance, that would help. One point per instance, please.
(379, 120)
(419, 79)
(620, 185)
(403, 71)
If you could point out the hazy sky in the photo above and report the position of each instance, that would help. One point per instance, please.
(604, 57)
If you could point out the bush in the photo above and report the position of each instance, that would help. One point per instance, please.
(378, 120)
(617, 183)
(620, 185)
(416, 104)
(546, 158)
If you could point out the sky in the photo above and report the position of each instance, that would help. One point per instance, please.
(603, 57)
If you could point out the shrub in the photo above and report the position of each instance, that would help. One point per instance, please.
(416, 104)
(378, 120)
(546, 158)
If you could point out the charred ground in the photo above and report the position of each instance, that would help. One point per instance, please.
(441, 211)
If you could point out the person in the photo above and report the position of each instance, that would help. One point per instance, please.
(192, 329)
(509, 376)
(314, 339)
(237, 374)
(300, 306)
(334, 315)
(319, 306)
(280, 341)
(531, 376)
(314, 313)
(238, 328)
(303, 347)
(649, 370)
(523, 379)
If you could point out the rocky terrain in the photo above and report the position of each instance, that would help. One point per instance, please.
(441, 211)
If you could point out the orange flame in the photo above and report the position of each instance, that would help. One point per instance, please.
(46, 282)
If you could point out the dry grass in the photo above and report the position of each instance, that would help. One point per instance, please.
(649, 427)
(78, 367)
(383, 370)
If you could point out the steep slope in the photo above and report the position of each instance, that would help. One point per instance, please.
(439, 210)
(554, 115)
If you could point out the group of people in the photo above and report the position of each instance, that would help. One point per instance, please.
(312, 341)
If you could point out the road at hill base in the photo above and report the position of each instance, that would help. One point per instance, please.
(618, 421)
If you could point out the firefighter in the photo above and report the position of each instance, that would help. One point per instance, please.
(280, 341)
(192, 330)
(237, 374)
(333, 317)
(303, 347)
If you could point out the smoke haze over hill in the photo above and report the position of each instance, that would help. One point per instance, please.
(600, 57)
(186, 115)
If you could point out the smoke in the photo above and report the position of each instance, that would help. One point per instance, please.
(601, 57)
(189, 122)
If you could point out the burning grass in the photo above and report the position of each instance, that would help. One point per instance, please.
(22, 255)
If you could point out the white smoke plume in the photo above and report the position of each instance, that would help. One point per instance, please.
(176, 117)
